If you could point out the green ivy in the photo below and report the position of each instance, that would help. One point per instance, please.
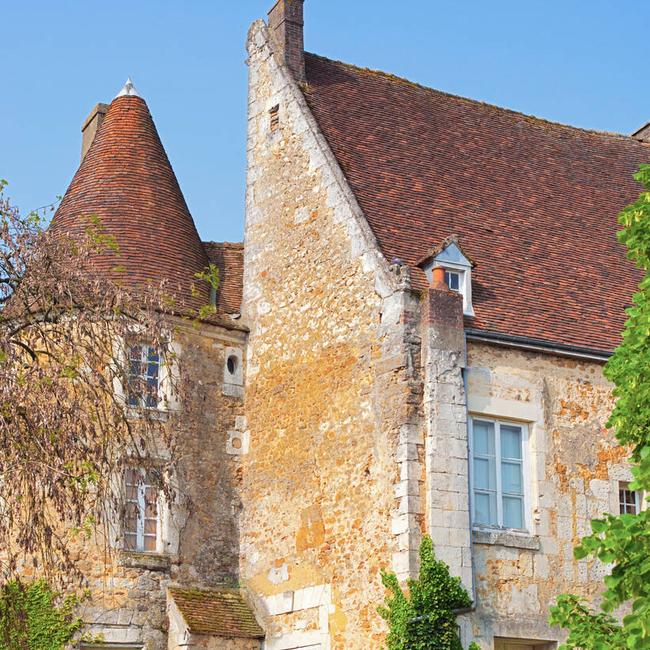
(425, 619)
(623, 540)
(33, 617)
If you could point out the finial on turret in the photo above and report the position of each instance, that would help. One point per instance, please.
(128, 90)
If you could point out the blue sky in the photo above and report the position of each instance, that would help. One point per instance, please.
(571, 61)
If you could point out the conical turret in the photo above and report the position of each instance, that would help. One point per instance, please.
(127, 181)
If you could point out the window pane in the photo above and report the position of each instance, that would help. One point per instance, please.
(513, 512)
(485, 475)
(453, 280)
(511, 478)
(510, 441)
(129, 542)
(485, 508)
(483, 438)
(149, 543)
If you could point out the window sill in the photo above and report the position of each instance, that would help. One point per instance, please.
(149, 561)
(512, 539)
(158, 415)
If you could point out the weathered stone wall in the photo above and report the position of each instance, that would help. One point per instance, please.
(327, 481)
(574, 470)
(445, 423)
(128, 602)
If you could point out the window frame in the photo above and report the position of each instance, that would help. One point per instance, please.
(143, 484)
(525, 473)
(638, 501)
(144, 358)
(461, 279)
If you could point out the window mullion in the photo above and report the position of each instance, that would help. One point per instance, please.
(141, 513)
(497, 458)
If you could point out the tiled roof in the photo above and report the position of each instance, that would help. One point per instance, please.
(534, 203)
(229, 259)
(219, 612)
(127, 181)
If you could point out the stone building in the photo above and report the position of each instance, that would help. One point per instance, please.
(430, 288)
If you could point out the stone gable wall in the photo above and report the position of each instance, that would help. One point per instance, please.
(331, 369)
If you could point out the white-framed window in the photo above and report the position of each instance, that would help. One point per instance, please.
(629, 501)
(454, 280)
(143, 380)
(498, 473)
(141, 529)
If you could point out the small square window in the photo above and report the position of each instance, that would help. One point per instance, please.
(143, 381)
(453, 280)
(141, 520)
(629, 502)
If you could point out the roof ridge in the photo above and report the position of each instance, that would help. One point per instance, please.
(226, 244)
(389, 76)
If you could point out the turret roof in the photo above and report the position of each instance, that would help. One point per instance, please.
(127, 181)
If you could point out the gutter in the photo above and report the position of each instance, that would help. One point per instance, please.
(537, 345)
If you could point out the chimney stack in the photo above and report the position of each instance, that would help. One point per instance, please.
(286, 24)
(91, 126)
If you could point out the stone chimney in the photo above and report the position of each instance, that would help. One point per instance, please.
(90, 127)
(286, 24)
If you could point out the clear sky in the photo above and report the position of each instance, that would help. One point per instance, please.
(581, 62)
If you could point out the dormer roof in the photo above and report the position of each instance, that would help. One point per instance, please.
(127, 181)
(448, 249)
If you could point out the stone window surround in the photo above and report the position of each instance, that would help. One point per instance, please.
(171, 519)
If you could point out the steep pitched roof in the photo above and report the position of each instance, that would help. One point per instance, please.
(127, 181)
(534, 203)
(219, 612)
(229, 259)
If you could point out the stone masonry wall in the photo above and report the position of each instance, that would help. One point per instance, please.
(574, 470)
(445, 409)
(128, 599)
(331, 476)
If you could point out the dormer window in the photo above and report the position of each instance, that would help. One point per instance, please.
(453, 280)
(457, 266)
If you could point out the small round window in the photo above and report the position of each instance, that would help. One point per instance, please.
(232, 363)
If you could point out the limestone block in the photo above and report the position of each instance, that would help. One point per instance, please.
(279, 603)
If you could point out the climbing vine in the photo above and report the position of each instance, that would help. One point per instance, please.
(425, 618)
(33, 617)
(623, 541)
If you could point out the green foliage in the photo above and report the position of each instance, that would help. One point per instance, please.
(425, 618)
(210, 275)
(624, 540)
(33, 617)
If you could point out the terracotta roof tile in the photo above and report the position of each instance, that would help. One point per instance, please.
(220, 612)
(127, 181)
(533, 203)
(229, 259)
